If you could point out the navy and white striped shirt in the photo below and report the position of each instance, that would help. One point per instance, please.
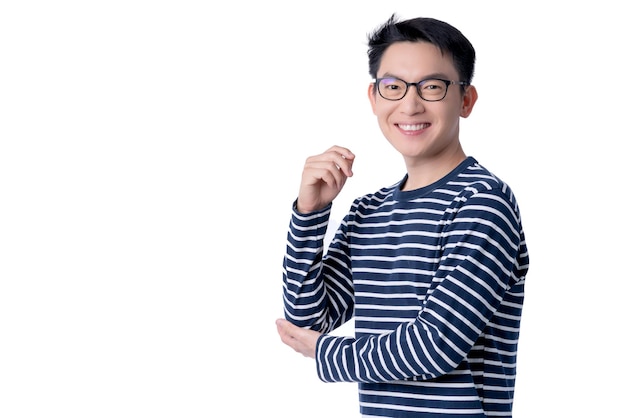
(434, 278)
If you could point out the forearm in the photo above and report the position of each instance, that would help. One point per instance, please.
(310, 299)
(467, 288)
(406, 353)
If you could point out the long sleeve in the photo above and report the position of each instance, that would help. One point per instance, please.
(317, 290)
(483, 257)
(434, 279)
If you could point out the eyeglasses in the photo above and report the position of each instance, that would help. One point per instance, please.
(431, 89)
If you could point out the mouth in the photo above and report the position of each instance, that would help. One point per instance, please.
(413, 127)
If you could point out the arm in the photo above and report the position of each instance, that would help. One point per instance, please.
(483, 257)
(317, 291)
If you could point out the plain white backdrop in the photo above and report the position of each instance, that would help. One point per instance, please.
(150, 152)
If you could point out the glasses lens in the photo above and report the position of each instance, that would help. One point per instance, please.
(433, 90)
(391, 88)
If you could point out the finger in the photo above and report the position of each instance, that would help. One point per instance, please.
(341, 163)
(344, 164)
(284, 328)
(286, 332)
(300, 340)
(343, 159)
(335, 153)
(327, 171)
(343, 151)
(333, 175)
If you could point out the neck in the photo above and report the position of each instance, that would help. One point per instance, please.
(426, 172)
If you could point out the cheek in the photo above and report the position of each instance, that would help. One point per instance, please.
(382, 108)
(371, 96)
(452, 113)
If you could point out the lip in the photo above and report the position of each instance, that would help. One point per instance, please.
(412, 128)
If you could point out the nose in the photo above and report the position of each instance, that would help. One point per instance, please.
(412, 102)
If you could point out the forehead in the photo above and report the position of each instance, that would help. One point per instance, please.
(415, 60)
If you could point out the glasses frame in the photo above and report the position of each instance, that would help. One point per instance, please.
(417, 87)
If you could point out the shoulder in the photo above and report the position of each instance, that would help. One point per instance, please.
(484, 195)
(476, 179)
(381, 197)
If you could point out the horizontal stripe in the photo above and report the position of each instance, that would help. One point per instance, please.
(434, 280)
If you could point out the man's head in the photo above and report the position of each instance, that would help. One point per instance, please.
(422, 123)
(444, 36)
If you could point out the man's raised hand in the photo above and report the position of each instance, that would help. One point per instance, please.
(323, 177)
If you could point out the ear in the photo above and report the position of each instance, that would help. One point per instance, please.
(371, 94)
(468, 101)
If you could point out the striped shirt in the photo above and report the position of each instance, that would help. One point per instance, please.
(434, 279)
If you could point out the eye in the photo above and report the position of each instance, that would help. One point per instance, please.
(391, 84)
(433, 86)
(391, 88)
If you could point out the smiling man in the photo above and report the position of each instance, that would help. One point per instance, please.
(431, 268)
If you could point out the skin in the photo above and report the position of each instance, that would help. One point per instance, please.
(430, 152)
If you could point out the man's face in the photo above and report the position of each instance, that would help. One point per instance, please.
(420, 130)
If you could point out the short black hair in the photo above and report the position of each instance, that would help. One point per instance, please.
(425, 29)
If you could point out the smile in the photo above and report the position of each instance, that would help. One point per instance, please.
(417, 127)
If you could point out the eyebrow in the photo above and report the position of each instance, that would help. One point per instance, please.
(433, 75)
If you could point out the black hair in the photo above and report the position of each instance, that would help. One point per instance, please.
(441, 34)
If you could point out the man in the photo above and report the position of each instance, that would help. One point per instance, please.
(432, 268)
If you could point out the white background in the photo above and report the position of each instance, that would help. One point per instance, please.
(150, 152)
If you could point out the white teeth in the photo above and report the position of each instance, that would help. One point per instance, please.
(412, 127)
